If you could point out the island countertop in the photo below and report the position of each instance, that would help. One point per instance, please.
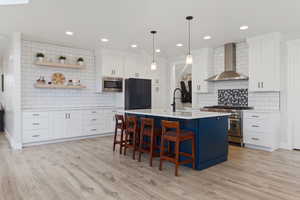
(178, 114)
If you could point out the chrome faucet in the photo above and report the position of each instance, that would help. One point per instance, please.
(174, 103)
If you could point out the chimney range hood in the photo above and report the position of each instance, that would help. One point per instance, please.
(230, 73)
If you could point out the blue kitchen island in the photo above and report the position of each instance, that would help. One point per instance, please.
(210, 129)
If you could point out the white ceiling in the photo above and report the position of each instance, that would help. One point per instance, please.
(129, 21)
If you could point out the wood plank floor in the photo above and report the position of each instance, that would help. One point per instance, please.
(88, 169)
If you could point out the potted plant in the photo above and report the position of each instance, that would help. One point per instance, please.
(80, 61)
(62, 59)
(40, 57)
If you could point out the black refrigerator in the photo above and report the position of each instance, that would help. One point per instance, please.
(137, 94)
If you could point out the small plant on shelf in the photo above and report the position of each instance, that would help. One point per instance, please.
(80, 61)
(62, 59)
(40, 57)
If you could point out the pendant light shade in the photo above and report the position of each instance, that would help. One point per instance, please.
(189, 57)
(153, 64)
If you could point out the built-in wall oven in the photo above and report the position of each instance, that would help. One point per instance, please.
(112, 84)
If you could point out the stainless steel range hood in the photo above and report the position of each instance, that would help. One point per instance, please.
(230, 73)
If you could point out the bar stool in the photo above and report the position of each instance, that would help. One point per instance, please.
(148, 130)
(120, 125)
(171, 132)
(131, 135)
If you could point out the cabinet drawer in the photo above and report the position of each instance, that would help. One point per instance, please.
(255, 139)
(35, 114)
(94, 129)
(93, 112)
(35, 123)
(255, 125)
(35, 136)
(255, 116)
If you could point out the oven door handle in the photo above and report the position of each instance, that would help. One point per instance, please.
(234, 119)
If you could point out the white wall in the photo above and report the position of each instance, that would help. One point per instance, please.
(12, 93)
(265, 101)
(34, 98)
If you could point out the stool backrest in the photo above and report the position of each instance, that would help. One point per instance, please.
(170, 125)
(120, 120)
(147, 122)
(131, 123)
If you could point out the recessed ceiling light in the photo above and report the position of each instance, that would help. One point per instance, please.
(179, 45)
(13, 2)
(69, 33)
(104, 40)
(157, 50)
(207, 37)
(134, 45)
(244, 27)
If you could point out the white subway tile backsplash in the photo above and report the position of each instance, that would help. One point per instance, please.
(261, 100)
(33, 97)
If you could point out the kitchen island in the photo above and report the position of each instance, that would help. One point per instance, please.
(210, 129)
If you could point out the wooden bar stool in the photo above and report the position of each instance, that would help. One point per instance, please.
(120, 126)
(131, 135)
(171, 132)
(148, 130)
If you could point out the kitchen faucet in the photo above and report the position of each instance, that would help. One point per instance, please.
(174, 103)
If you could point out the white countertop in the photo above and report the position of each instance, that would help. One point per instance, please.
(69, 107)
(177, 114)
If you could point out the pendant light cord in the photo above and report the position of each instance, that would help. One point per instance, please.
(189, 27)
(153, 51)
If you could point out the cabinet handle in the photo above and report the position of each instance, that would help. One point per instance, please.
(255, 126)
(254, 138)
(94, 112)
(93, 129)
(36, 136)
(258, 84)
(255, 116)
(94, 120)
(35, 114)
(262, 84)
(35, 124)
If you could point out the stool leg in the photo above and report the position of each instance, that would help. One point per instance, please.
(134, 145)
(141, 145)
(115, 138)
(151, 148)
(162, 149)
(126, 140)
(177, 157)
(194, 152)
(121, 141)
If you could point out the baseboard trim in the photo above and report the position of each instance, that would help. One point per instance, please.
(252, 146)
(66, 140)
(286, 146)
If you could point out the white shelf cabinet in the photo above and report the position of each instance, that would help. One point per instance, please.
(200, 69)
(261, 130)
(55, 125)
(112, 64)
(264, 63)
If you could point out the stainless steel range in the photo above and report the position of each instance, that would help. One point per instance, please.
(235, 132)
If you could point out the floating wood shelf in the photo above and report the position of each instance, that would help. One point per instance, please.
(60, 65)
(59, 86)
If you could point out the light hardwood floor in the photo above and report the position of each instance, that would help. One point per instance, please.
(88, 169)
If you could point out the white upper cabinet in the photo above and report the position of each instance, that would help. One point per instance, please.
(112, 64)
(264, 63)
(200, 69)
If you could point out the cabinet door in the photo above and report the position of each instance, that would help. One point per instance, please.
(255, 52)
(58, 124)
(109, 122)
(112, 64)
(130, 67)
(74, 124)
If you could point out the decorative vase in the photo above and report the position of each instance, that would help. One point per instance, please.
(62, 61)
(40, 59)
(80, 62)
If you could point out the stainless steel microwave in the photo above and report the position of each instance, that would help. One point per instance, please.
(112, 84)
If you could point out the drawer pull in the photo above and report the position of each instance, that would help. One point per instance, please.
(255, 126)
(35, 124)
(255, 138)
(256, 116)
(94, 112)
(94, 120)
(36, 136)
(35, 114)
(93, 129)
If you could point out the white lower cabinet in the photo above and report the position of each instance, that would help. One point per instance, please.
(56, 125)
(261, 130)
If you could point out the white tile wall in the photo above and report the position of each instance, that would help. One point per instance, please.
(265, 101)
(33, 97)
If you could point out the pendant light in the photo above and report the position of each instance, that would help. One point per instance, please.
(189, 57)
(153, 64)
